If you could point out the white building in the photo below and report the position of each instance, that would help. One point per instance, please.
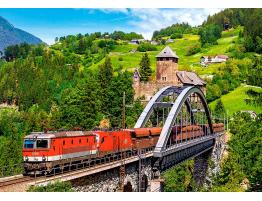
(204, 60)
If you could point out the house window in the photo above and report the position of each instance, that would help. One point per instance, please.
(163, 78)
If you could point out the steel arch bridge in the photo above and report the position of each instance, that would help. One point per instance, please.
(174, 109)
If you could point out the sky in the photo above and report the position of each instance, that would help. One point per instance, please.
(50, 23)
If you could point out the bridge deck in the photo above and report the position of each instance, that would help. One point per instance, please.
(89, 171)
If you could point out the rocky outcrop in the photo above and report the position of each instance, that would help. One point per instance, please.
(109, 181)
(217, 155)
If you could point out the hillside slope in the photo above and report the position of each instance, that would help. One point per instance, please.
(9, 35)
(235, 100)
(123, 56)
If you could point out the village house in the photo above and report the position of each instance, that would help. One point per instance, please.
(167, 74)
(154, 42)
(136, 41)
(252, 113)
(204, 60)
(170, 40)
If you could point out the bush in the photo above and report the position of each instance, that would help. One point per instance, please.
(120, 59)
(193, 49)
(53, 187)
(237, 52)
(176, 35)
(146, 47)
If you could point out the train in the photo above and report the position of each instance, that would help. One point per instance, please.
(44, 151)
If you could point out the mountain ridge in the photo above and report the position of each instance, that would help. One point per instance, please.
(10, 35)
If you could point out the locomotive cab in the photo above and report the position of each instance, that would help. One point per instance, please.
(36, 149)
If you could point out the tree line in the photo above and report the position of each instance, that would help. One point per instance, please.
(175, 31)
(45, 93)
(250, 18)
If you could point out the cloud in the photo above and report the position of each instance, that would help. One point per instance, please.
(115, 10)
(148, 20)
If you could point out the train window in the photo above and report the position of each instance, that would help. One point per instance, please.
(103, 140)
(80, 141)
(29, 144)
(86, 140)
(41, 144)
(64, 142)
(97, 139)
(72, 141)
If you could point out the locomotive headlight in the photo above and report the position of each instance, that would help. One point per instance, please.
(43, 158)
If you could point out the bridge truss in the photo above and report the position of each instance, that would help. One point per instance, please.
(173, 109)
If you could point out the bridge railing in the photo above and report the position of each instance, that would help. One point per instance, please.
(16, 169)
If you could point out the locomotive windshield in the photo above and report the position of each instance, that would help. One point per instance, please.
(29, 144)
(41, 144)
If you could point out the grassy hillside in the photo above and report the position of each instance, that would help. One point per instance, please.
(121, 55)
(235, 100)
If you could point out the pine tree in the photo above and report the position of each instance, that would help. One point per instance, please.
(105, 75)
(145, 70)
(219, 108)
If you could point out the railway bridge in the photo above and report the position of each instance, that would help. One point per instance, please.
(170, 108)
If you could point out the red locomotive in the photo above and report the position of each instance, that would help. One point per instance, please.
(44, 151)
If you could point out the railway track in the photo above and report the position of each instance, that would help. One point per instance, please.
(19, 179)
(70, 175)
(15, 181)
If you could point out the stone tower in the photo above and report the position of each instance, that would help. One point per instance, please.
(167, 66)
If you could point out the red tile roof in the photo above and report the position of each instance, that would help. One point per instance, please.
(190, 78)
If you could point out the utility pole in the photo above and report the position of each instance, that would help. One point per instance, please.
(122, 166)
(139, 171)
(227, 120)
(124, 111)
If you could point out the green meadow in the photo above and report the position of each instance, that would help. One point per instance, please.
(235, 100)
(123, 56)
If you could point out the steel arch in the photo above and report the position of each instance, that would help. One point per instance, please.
(181, 99)
(156, 98)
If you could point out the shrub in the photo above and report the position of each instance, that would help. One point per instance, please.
(176, 35)
(53, 187)
(237, 51)
(146, 47)
(193, 49)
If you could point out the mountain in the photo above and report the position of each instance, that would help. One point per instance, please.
(9, 35)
